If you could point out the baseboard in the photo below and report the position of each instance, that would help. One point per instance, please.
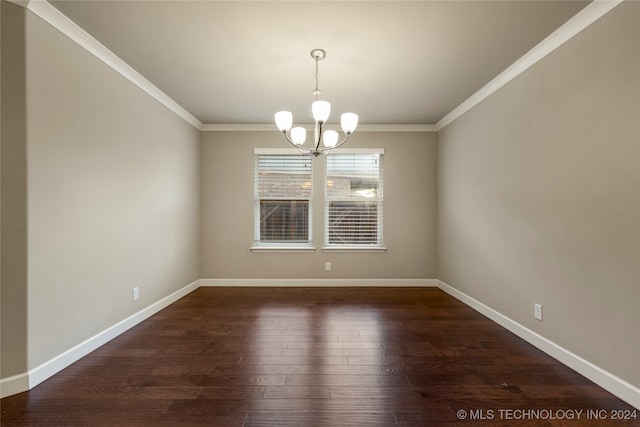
(620, 388)
(616, 386)
(321, 282)
(14, 385)
(26, 381)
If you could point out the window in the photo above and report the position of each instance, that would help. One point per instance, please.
(353, 199)
(282, 202)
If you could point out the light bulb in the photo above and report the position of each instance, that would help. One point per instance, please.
(330, 138)
(349, 122)
(298, 135)
(284, 120)
(320, 111)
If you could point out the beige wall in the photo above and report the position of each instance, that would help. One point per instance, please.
(112, 194)
(13, 278)
(539, 196)
(227, 169)
(536, 193)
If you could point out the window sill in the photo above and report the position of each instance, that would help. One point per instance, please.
(283, 249)
(354, 249)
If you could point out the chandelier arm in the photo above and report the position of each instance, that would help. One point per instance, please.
(347, 135)
(301, 150)
(318, 136)
(325, 150)
(286, 136)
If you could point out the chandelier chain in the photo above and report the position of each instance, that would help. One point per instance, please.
(317, 91)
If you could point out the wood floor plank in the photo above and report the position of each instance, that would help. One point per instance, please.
(311, 359)
(275, 419)
(389, 357)
(356, 380)
(298, 392)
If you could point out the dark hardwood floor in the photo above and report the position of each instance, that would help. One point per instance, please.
(317, 357)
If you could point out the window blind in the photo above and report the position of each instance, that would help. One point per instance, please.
(353, 199)
(282, 198)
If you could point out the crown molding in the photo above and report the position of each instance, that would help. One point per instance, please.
(66, 26)
(237, 127)
(23, 3)
(272, 127)
(397, 128)
(591, 13)
(587, 16)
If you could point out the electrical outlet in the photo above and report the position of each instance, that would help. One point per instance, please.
(136, 293)
(537, 311)
(327, 266)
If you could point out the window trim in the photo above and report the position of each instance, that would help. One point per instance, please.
(354, 248)
(259, 246)
(283, 247)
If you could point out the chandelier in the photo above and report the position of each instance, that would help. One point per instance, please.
(320, 111)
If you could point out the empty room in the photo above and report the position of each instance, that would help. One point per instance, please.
(320, 213)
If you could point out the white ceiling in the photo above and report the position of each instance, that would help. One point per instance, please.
(392, 62)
